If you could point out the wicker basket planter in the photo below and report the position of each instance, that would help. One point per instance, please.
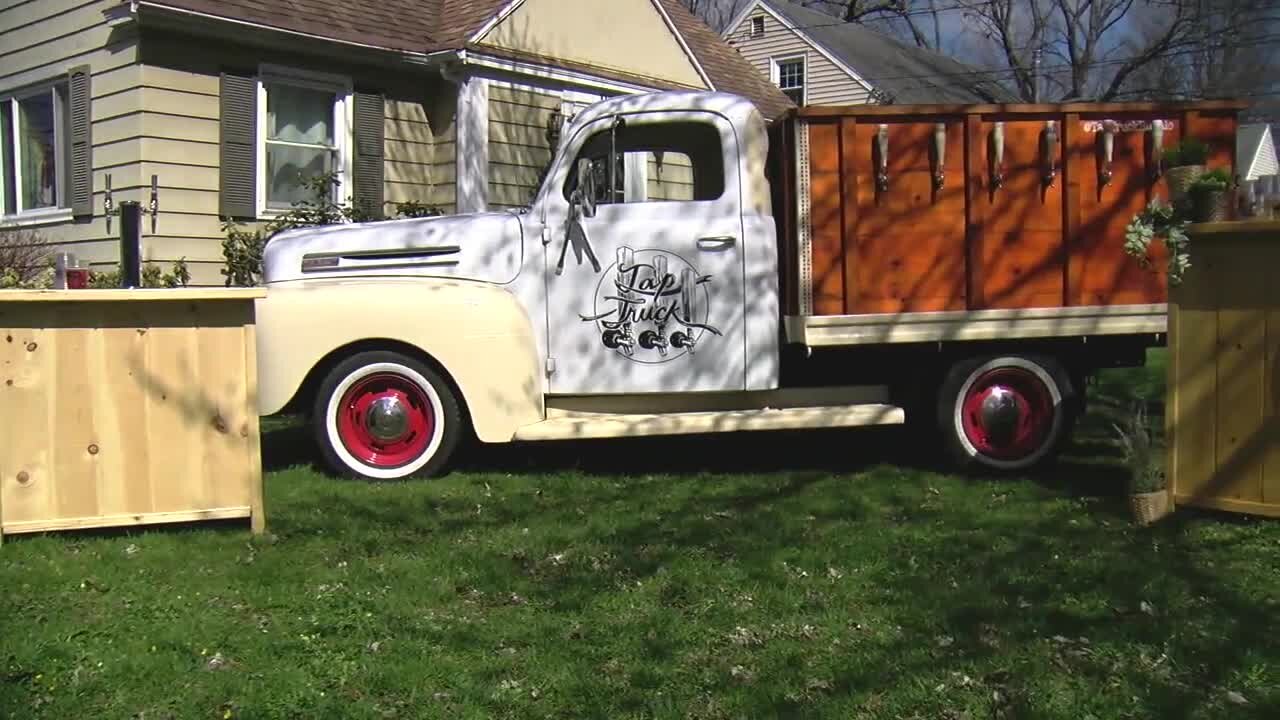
(1210, 206)
(1180, 179)
(1149, 507)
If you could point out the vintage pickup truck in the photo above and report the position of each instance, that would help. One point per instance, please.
(958, 269)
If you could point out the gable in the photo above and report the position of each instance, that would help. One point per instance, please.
(826, 82)
(588, 32)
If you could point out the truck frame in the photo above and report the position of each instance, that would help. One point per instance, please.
(687, 267)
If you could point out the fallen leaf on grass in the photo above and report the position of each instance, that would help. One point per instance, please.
(1236, 698)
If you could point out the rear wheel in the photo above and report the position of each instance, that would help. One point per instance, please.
(383, 416)
(1009, 412)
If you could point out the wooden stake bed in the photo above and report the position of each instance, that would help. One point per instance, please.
(896, 210)
(126, 407)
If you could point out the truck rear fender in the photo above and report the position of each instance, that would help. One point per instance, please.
(477, 334)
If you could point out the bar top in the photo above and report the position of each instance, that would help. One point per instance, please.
(132, 294)
(1241, 227)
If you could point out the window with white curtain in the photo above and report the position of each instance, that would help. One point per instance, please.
(33, 150)
(304, 134)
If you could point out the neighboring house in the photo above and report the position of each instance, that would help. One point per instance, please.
(818, 60)
(442, 102)
(1256, 162)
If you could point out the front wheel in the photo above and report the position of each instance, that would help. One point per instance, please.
(1006, 413)
(383, 416)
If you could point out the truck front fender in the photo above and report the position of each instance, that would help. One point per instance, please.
(478, 334)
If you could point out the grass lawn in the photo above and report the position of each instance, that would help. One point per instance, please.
(769, 575)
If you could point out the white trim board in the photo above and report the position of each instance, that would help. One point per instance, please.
(693, 59)
(472, 146)
(492, 22)
(544, 72)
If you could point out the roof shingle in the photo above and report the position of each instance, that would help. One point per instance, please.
(904, 74)
(424, 26)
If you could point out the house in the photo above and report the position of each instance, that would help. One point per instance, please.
(225, 102)
(817, 59)
(1256, 162)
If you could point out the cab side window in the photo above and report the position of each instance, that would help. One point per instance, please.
(655, 162)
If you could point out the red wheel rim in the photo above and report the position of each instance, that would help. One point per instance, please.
(1007, 413)
(385, 420)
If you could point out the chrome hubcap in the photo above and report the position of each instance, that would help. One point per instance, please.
(1000, 413)
(387, 419)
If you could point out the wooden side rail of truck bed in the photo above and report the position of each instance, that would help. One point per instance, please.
(909, 223)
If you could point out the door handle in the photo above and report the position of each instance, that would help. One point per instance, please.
(718, 242)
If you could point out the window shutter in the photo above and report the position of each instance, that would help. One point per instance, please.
(238, 155)
(80, 132)
(367, 186)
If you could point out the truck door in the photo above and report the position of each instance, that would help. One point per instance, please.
(644, 257)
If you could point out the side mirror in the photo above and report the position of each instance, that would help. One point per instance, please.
(584, 196)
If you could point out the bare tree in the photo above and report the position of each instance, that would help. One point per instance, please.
(715, 13)
(1087, 49)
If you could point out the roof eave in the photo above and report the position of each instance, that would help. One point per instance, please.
(162, 16)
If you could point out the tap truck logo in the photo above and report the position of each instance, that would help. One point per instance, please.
(651, 306)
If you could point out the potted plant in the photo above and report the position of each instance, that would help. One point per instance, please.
(1208, 196)
(1148, 495)
(1184, 162)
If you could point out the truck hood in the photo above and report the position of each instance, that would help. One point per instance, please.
(481, 246)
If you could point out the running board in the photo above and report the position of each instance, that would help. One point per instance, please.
(575, 425)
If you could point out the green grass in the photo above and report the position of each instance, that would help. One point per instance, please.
(773, 575)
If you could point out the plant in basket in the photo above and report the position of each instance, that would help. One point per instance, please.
(1148, 496)
(1184, 162)
(1208, 197)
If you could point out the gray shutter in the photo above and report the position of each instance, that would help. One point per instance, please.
(367, 189)
(80, 131)
(238, 156)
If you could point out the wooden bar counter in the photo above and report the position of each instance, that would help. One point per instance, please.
(1223, 408)
(128, 407)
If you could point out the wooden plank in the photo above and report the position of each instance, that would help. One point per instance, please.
(1195, 384)
(120, 411)
(129, 519)
(26, 425)
(1018, 254)
(825, 219)
(1241, 351)
(827, 111)
(977, 176)
(1071, 200)
(1269, 266)
(910, 242)
(76, 474)
(253, 449)
(174, 410)
(849, 210)
(1229, 505)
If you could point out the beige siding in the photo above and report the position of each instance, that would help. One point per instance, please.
(40, 40)
(826, 83)
(674, 181)
(518, 146)
(173, 133)
(627, 36)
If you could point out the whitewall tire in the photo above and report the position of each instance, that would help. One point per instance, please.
(381, 415)
(1006, 413)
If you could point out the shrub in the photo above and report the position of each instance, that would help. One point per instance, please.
(1187, 151)
(26, 260)
(152, 276)
(242, 248)
(1146, 471)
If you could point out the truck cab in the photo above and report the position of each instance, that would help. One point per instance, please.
(654, 275)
